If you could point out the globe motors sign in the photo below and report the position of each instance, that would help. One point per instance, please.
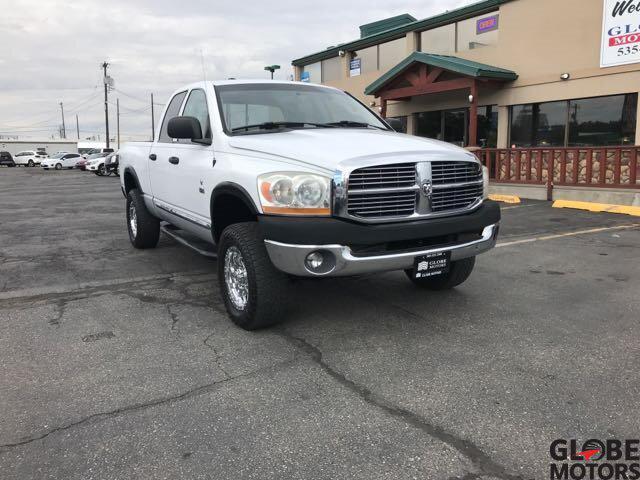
(620, 33)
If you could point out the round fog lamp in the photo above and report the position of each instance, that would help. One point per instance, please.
(314, 260)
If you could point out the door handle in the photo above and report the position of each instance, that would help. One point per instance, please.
(153, 157)
(174, 160)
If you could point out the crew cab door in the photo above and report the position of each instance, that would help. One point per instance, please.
(181, 174)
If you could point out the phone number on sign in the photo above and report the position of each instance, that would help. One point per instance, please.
(623, 51)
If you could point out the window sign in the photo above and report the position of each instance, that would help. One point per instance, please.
(487, 24)
(620, 33)
(354, 67)
(305, 77)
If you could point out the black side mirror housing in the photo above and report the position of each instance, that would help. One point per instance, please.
(186, 127)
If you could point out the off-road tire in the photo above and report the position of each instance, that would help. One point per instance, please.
(147, 231)
(267, 286)
(458, 272)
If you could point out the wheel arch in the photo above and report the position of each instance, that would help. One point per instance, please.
(230, 203)
(130, 180)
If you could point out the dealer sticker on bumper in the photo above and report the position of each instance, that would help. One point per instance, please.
(431, 265)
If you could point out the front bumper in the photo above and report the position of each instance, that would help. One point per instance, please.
(353, 249)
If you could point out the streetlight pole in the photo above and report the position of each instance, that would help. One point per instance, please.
(106, 101)
(64, 130)
(272, 68)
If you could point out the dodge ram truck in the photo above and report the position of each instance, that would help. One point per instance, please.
(290, 179)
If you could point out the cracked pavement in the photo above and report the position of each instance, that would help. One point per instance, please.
(120, 363)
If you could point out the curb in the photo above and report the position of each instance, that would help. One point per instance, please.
(598, 207)
(504, 198)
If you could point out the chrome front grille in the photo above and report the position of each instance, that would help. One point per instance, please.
(455, 197)
(383, 176)
(411, 190)
(389, 204)
(455, 172)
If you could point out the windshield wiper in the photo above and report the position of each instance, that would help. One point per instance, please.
(353, 124)
(277, 125)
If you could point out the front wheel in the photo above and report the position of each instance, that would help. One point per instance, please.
(254, 291)
(144, 228)
(31, 163)
(458, 272)
(101, 170)
(58, 166)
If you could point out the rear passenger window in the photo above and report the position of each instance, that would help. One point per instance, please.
(172, 111)
(196, 106)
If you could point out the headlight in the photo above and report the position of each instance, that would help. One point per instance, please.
(293, 193)
(485, 182)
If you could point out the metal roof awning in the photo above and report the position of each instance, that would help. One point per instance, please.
(420, 72)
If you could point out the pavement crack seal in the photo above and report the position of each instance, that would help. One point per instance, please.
(218, 358)
(96, 417)
(486, 465)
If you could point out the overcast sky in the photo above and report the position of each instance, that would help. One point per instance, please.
(51, 51)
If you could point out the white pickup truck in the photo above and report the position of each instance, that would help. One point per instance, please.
(286, 179)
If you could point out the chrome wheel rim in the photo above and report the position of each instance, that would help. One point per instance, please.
(236, 278)
(133, 220)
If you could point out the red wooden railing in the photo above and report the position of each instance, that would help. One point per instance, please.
(595, 167)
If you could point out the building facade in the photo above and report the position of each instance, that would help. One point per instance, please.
(545, 91)
(551, 89)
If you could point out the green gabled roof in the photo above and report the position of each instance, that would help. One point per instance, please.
(478, 8)
(446, 62)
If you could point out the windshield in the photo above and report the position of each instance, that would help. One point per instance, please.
(290, 106)
(58, 155)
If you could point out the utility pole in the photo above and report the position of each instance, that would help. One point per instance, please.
(153, 121)
(77, 127)
(118, 120)
(106, 101)
(64, 130)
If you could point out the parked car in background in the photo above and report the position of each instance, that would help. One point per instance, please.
(93, 151)
(95, 163)
(82, 164)
(61, 160)
(6, 159)
(29, 158)
(111, 164)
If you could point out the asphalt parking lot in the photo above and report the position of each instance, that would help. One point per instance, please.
(120, 363)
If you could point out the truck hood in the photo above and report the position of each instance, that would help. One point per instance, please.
(330, 149)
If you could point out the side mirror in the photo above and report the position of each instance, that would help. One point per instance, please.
(186, 127)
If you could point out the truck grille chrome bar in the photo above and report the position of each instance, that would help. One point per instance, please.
(410, 190)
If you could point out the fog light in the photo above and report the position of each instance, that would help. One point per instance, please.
(314, 260)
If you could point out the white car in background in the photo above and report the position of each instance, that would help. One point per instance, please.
(29, 158)
(61, 160)
(95, 163)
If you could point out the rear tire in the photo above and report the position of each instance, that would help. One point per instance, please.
(457, 274)
(31, 164)
(143, 228)
(254, 291)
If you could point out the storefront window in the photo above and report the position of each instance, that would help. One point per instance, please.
(576, 123)
(368, 59)
(478, 32)
(399, 124)
(392, 53)
(332, 69)
(488, 126)
(603, 120)
(429, 124)
(440, 40)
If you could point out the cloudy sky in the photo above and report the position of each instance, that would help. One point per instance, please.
(51, 51)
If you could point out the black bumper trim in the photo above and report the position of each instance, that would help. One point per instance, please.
(323, 231)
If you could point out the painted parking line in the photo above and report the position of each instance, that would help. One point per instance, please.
(524, 206)
(566, 234)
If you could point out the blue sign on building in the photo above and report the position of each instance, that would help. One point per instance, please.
(305, 77)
